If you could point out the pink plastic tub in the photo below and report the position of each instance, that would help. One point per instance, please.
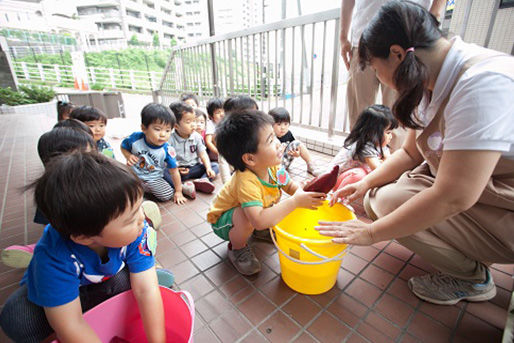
(119, 317)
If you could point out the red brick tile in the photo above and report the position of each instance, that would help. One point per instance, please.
(221, 250)
(506, 268)
(365, 252)
(11, 276)
(264, 276)
(447, 315)
(305, 338)
(277, 291)
(418, 262)
(188, 217)
(193, 248)
(363, 291)
(325, 298)
(428, 329)
(302, 309)
(327, 329)
(171, 258)
(381, 245)
(353, 263)
(502, 280)
(235, 287)
(172, 228)
(398, 250)
(377, 276)
(279, 328)
(201, 229)
(206, 260)
(198, 286)
(164, 245)
(184, 271)
(389, 263)
(471, 329)
(211, 239)
(182, 238)
(256, 308)
(205, 335)
(378, 322)
(395, 310)
(221, 273)
(212, 306)
(488, 312)
(273, 263)
(347, 310)
(372, 334)
(410, 271)
(502, 298)
(400, 290)
(409, 339)
(230, 326)
(199, 322)
(356, 338)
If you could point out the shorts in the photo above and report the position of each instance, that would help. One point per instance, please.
(224, 224)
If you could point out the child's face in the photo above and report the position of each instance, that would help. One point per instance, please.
(268, 151)
(157, 133)
(281, 128)
(388, 135)
(218, 115)
(97, 127)
(200, 124)
(191, 103)
(186, 126)
(123, 229)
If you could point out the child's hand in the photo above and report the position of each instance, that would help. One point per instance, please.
(178, 198)
(350, 192)
(210, 173)
(294, 153)
(183, 171)
(309, 200)
(132, 160)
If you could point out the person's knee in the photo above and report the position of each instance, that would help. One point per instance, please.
(386, 199)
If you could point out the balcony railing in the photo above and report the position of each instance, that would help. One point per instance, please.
(293, 63)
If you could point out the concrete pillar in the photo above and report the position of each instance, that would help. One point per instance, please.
(7, 74)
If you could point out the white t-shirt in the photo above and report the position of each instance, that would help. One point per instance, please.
(364, 10)
(210, 127)
(480, 112)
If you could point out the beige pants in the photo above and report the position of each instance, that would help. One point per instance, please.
(362, 91)
(462, 245)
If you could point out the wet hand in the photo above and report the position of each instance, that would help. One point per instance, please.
(353, 232)
(349, 192)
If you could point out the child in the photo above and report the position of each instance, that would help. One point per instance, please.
(190, 99)
(63, 110)
(150, 156)
(75, 124)
(192, 158)
(293, 147)
(239, 103)
(251, 198)
(200, 121)
(96, 246)
(96, 121)
(216, 113)
(365, 148)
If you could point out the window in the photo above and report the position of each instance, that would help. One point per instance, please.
(134, 14)
(506, 3)
(150, 18)
(133, 28)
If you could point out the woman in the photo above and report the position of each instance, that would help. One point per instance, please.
(448, 194)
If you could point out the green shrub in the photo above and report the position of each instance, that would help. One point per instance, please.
(12, 98)
(38, 94)
(26, 95)
(98, 86)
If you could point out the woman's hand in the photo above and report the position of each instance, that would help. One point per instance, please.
(350, 232)
(350, 192)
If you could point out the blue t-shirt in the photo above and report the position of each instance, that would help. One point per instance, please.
(105, 148)
(60, 266)
(153, 160)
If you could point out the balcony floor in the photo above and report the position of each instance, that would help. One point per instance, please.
(369, 303)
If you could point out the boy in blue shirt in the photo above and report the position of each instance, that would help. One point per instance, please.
(150, 155)
(96, 246)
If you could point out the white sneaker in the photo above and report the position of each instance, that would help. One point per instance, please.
(188, 189)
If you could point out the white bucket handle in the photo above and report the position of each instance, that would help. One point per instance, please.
(191, 305)
(324, 258)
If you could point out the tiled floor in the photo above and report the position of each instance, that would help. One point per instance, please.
(369, 303)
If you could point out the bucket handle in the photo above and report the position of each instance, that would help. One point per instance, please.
(324, 258)
(191, 305)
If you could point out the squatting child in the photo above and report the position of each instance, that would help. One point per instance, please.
(250, 200)
(293, 148)
(97, 121)
(151, 157)
(96, 246)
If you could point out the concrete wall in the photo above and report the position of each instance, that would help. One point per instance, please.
(7, 76)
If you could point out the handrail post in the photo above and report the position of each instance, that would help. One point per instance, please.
(335, 80)
(214, 67)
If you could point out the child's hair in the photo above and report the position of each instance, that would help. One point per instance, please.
(156, 113)
(179, 108)
(239, 103)
(80, 193)
(63, 108)
(280, 115)
(238, 134)
(187, 96)
(213, 105)
(200, 113)
(370, 127)
(74, 124)
(61, 140)
(88, 113)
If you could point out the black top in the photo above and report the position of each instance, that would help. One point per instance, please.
(287, 138)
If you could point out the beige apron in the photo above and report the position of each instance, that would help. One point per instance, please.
(462, 244)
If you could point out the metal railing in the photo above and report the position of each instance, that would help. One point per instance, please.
(293, 63)
(109, 78)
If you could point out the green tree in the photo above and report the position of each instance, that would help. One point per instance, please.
(156, 41)
(173, 42)
(133, 40)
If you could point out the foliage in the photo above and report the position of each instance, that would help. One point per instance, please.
(98, 86)
(61, 59)
(156, 41)
(133, 40)
(27, 95)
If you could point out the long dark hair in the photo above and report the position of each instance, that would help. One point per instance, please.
(370, 128)
(408, 25)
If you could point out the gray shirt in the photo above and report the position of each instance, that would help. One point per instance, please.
(188, 149)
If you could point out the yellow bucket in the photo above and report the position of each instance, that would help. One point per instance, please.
(309, 261)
